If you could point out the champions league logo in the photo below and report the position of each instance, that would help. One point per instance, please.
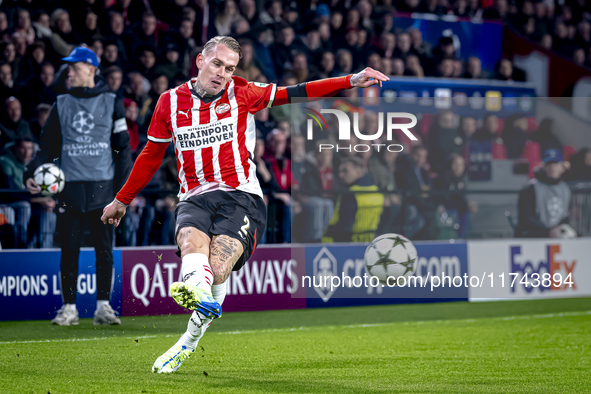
(83, 122)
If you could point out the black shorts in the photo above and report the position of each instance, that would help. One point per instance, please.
(237, 214)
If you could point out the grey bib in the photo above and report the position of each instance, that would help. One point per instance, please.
(87, 124)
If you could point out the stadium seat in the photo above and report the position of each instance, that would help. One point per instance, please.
(568, 151)
(532, 153)
(499, 152)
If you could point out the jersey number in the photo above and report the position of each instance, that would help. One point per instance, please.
(244, 229)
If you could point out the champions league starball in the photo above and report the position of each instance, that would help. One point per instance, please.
(391, 255)
(50, 178)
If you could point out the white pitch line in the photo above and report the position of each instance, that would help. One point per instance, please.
(74, 340)
(503, 318)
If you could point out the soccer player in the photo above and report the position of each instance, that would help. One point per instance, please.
(221, 214)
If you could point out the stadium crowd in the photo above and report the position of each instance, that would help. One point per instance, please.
(146, 47)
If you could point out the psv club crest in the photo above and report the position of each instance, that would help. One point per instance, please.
(222, 108)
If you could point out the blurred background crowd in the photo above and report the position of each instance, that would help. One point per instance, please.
(146, 47)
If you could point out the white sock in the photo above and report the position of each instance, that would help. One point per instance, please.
(101, 303)
(71, 307)
(194, 333)
(196, 271)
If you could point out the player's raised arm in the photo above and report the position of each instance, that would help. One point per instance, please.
(147, 163)
(272, 95)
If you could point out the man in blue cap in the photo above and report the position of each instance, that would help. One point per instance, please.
(86, 135)
(543, 206)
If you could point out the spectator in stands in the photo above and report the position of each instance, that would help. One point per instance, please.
(411, 175)
(138, 92)
(247, 67)
(12, 125)
(280, 168)
(344, 61)
(159, 84)
(453, 181)
(474, 70)
(273, 12)
(545, 136)
(445, 138)
(131, 114)
(543, 207)
(143, 35)
(9, 55)
(37, 90)
(489, 131)
(445, 68)
(282, 48)
(248, 10)
(359, 212)
(110, 56)
(30, 65)
(327, 63)
(18, 211)
(38, 123)
(226, 14)
(64, 38)
(114, 78)
(505, 71)
(514, 135)
(146, 56)
(317, 206)
(6, 82)
(581, 166)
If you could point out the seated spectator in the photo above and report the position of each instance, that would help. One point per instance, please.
(474, 69)
(12, 125)
(114, 78)
(30, 65)
(6, 82)
(358, 212)
(110, 56)
(313, 179)
(142, 35)
(445, 138)
(489, 131)
(226, 14)
(273, 12)
(543, 207)
(131, 114)
(137, 90)
(580, 166)
(248, 10)
(282, 48)
(545, 137)
(412, 176)
(445, 68)
(280, 168)
(64, 39)
(169, 66)
(37, 90)
(344, 61)
(38, 122)
(42, 224)
(9, 55)
(514, 136)
(453, 181)
(505, 71)
(146, 56)
(247, 67)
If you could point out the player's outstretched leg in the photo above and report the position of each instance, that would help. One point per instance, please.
(172, 359)
(194, 292)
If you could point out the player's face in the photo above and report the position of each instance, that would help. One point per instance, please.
(216, 69)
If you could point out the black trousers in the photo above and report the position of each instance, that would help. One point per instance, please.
(71, 224)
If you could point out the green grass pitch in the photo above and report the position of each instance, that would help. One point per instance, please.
(541, 346)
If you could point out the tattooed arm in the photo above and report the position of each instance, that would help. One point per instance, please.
(224, 253)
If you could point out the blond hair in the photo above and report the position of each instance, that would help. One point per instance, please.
(228, 42)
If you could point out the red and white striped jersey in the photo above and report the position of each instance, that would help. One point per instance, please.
(214, 142)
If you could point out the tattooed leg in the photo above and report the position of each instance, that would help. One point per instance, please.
(224, 253)
(191, 240)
